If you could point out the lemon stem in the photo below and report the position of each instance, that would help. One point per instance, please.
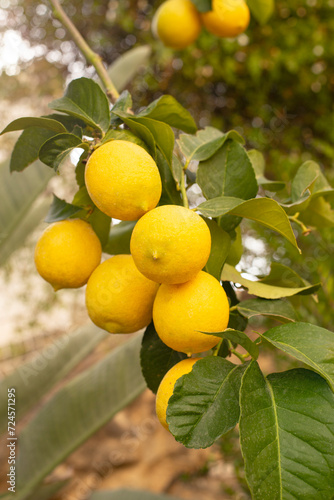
(236, 353)
(92, 57)
(216, 349)
(183, 191)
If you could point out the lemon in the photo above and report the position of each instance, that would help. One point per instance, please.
(67, 253)
(177, 23)
(123, 180)
(118, 298)
(181, 312)
(167, 384)
(228, 18)
(170, 244)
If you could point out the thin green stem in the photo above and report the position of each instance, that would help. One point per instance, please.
(216, 349)
(236, 353)
(89, 54)
(294, 218)
(183, 191)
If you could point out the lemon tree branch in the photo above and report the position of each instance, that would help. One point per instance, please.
(91, 56)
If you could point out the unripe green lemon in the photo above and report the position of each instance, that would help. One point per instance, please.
(167, 384)
(228, 18)
(177, 23)
(170, 244)
(123, 180)
(119, 298)
(67, 253)
(182, 312)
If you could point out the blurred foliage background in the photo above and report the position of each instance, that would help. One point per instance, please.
(274, 84)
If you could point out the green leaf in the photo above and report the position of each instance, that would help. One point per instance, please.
(169, 110)
(205, 402)
(100, 222)
(262, 210)
(125, 68)
(277, 309)
(287, 434)
(35, 378)
(240, 338)
(309, 343)
(140, 131)
(306, 175)
(318, 214)
(129, 495)
(228, 172)
(265, 290)
(281, 275)
(258, 163)
(119, 238)
(27, 147)
(236, 249)
(61, 210)
(123, 103)
(220, 246)
(261, 9)
(23, 123)
(202, 5)
(75, 412)
(55, 150)
(124, 135)
(297, 206)
(170, 194)
(19, 211)
(205, 143)
(85, 99)
(156, 358)
(177, 169)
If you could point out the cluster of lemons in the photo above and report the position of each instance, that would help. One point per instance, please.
(161, 279)
(177, 23)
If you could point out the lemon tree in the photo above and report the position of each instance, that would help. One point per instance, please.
(143, 166)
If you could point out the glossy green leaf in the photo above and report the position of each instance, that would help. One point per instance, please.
(306, 175)
(27, 147)
(277, 309)
(36, 377)
(319, 214)
(228, 172)
(168, 110)
(236, 249)
(170, 194)
(75, 412)
(202, 5)
(291, 208)
(124, 135)
(265, 290)
(61, 210)
(240, 338)
(130, 495)
(140, 131)
(205, 402)
(124, 69)
(220, 246)
(265, 211)
(42, 122)
(309, 343)
(55, 150)
(100, 222)
(20, 211)
(281, 275)
(123, 103)
(287, 434)
(261, 9)
(205, 143)
(156, 358)
(119, 238)
(85, 99)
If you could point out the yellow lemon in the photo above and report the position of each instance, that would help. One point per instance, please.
(167, 384)
(170, 244)
(181, 312)
(123, 180)
(118, 298)
(228, 18)
(67, 253)
(177, 23)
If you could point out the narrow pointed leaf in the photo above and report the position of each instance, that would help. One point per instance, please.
(239, 338)
(85, 99)
(277, 309)
(61, 210)
(75, 412)
(55, 150)
(205, 402)
(309, 343)
(228, 172)
(35, 378)
(23, 123)
(287, 434)
(265, 211)
(265, 290)
(156, 358)
(168, 110)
